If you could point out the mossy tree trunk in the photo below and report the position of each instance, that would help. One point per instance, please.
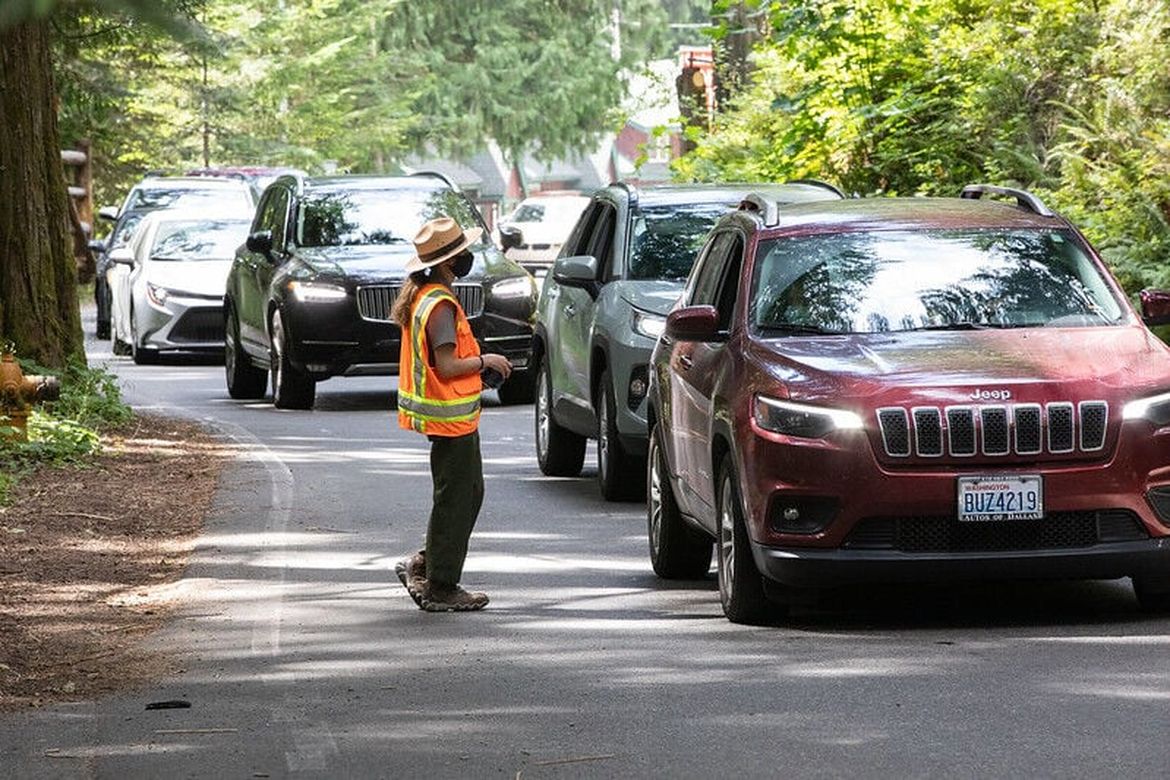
(38, 278)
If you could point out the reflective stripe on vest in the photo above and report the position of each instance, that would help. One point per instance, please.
(417, 408)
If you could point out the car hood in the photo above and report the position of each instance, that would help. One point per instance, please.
(374, 264)
(1034, 364)
(206, 278)
(655, 296)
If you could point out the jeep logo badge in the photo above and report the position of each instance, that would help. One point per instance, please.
(991, 395)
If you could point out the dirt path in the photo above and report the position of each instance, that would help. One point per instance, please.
(88, 557)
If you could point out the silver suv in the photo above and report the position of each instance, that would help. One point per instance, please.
(601, 310)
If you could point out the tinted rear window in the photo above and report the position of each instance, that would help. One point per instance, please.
(875, 282)
(665, 239)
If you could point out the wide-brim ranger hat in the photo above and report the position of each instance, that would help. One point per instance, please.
(439, 240)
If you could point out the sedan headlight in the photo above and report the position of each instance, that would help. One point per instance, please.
(1155, 408)
(310, 292)
(806, 422)
(648, 324)
(158, 295)
(519, 287)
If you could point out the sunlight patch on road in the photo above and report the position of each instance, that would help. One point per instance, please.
(531, 564)
(1139, 641)
(1141, 687)
(845, 668)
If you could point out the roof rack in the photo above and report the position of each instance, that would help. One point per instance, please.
(630, 189)
(1024, 199)
(822, 184)
(763, 205)
(437, 175)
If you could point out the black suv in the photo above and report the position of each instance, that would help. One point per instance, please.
(309, 294)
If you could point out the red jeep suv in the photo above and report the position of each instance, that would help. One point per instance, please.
(907, 389)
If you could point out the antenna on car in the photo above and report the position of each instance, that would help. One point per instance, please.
(822, 184)
(1024, 199)
(436, 175)
(764, 206)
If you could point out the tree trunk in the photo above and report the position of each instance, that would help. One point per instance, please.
(38, 278)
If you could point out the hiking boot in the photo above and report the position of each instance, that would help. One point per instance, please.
(451, 598)
(412, 573)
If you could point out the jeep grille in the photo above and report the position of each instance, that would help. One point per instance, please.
(1020, 429)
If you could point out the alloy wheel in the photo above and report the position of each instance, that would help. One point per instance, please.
(277, 352)
(654, 497)
(603, 452)
(542, 415)
(726, 539)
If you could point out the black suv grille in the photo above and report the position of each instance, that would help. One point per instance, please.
(1054, 531)
(1019, 429)
(374, 301)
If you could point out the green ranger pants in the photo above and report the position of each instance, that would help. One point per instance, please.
(457, 474)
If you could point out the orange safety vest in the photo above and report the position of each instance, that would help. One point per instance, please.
(427, 403)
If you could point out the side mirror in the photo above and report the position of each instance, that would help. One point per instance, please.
(260, 242)
(108, 212)
(1155, 307)
(510, 237)
(122, 255)
(96, 246)
(693, 323)
(577, 271)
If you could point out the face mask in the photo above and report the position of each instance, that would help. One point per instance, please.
(462, 265)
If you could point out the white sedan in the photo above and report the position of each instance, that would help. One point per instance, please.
(533, 233)
(167, 285)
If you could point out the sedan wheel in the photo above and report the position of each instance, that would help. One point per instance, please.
(291, 388)
(741, 588)
(140, 354)
(676, 550)
(559, 451)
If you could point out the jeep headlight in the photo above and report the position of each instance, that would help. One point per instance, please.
(311, 292)
(648, 324)
(1155, 408)
(799, 420)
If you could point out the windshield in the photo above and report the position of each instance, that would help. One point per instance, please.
(942, 280)
(665, 239)
(362, 217)
(170, 197)
(204, 239)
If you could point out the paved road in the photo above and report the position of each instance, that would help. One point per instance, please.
(301, 647)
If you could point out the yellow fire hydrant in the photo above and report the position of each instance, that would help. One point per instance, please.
(18, 393)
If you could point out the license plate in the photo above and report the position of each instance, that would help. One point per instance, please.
(984, 499)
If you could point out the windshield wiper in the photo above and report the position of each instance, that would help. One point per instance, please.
(794, 329)
(953, 326)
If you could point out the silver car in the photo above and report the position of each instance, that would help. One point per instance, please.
(601, 311)
(167, 285)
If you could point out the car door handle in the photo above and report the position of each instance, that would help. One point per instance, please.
(570, 310)
(685, 361)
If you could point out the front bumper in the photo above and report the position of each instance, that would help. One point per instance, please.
(806, 567)
(182, 324)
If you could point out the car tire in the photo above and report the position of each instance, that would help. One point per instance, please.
(143, 356)
(741, 587)
(677, 551)
(244, 380)
(101, 296)
(1153, 594)
(619, 474)
(559, 452)
(291, 388)
(519, 389)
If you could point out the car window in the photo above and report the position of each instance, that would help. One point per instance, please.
(578, 243)
(204, 239)
(729, 282)
(601, 246)
(275, 217)
(666, 239)
(124, 230)
(339, 217)
(708, 274)
(881, 281)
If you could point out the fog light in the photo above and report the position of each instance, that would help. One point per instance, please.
(1159, 499)
(639, 384)
(801, 514)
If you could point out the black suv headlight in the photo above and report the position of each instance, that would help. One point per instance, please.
(316, 292)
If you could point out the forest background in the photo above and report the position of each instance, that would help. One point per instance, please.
(1069, 98)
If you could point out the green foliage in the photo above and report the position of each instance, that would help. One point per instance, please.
(1067, 97)
(65, 431)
